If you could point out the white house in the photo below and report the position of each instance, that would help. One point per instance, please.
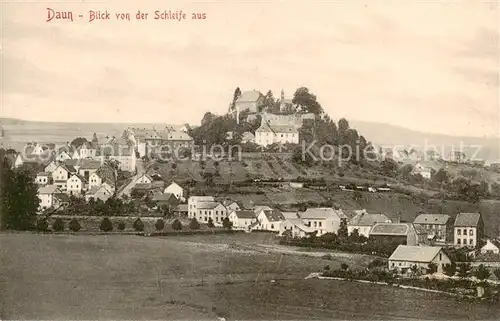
(295, 228)
(231, 205)
(61, 175)
(269, 220)
(75, 155)
(490, 248)
(323, 219)
(37, 150)
(87, 150)
(76, 184)
(144, 179)
(193, 204)
(425, 172)
(102, 192)
(242, 220)
(119, 151)
(211, 210)
(468, 229)
(363, 222)
(49, 196)
(43, 178)
(176, 190)
(406, 256)
(268, 134)
(88, 167)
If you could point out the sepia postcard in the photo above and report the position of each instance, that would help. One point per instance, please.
(249, 160)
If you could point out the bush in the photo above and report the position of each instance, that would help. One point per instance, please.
(106, 225)
(42, 225)
(74, 225)
(176, 225)
(138, 225)
(344, 266)
(58, 225)
(121, 226)
(450, 269)
(378, 262)
(482, 272)
(194, 225)
(210, 223)
(226, 223)
(160, 224)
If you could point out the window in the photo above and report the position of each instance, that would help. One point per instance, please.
(319, 224)
(471, 241)
(458, 241)
(465, 231)
(393, 264)
(459, 232)
(440, 257)
(471, 232)
(281, 135)
(272, 226)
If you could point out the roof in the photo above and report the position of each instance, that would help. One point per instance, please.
(467, 219)
(106, 173)
(289, 215)
(176, 135)
(44, 174)
(247, 136)
(415, 253)
(152, 134)
(259, 208)
(79, 176)
(208, 205)
(438, 219)
(244, 214)
(489, 246)
(300, 224)
(321, 213)
(61, 197)
(48, 189)
(365, 219)
(352, 213)
(249, 96)
(390, 229)
(202, 198)
(90, 164)
(163, 197)
(284, 129)
(95, 189)
(182, 208)
(274, 215)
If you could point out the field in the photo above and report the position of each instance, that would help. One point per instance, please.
(131, 277)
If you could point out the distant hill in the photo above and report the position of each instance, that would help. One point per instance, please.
(385, 134)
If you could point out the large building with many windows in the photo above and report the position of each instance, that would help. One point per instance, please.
(468, 229)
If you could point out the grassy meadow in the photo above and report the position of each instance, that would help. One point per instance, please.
(64, 277)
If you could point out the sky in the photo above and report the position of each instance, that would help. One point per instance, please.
(431, 66)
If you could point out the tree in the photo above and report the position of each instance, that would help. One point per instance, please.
(236, 95)
(306, 101)
(226, 223)
(389, 166)
(19, 198)
(74, 225)
(194, 225)
(77, 142)
(357, 196)
(42, 225)
(441, 176)
(160, 224)
(58, 225)
(342, 232)
(344, 266)
(464, 270)
(138, 225)
(497, 273)
(176, 225)
(210, 223)
(121, 226)
(450, 269)
(482, 272)
(431, 268)
(106, 225)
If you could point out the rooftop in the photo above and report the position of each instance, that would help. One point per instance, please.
(365, 219)
(390, 229)
(467, 219)
(438, 219)
(415, 253)
(249, 96)
(321, 213)
(244, 214)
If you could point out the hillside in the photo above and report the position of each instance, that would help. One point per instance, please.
(385, 134)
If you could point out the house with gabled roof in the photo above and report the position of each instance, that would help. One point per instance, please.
(50, 196)
(269, 220)
(88, 167)
(76, 184)
(87, 150)
(102, 193)
(176, 190)
(491, 247)
(295, 227)
(363, 223)
(268, 134)
(43, 178)
(103, 176)
(250, 100)
(468, 229)
(61, 175)
(323, 219)
(176, 138)
(193, 202)
(439, 227)
(144, 179)
(242, 220)
(211, 210)
(402, 233)
(51, 167)
(405, 256)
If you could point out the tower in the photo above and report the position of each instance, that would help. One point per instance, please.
(282, 100)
